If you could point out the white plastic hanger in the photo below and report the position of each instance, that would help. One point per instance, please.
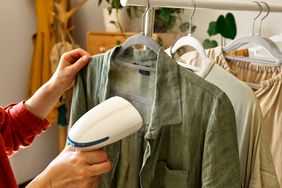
(258, 51)
(277, 38)
(266, 43)
(132, 41)
(140, 38)
(190, 40)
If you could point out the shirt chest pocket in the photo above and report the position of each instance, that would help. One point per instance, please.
(168, 178)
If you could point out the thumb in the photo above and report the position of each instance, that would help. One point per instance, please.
(79, 64)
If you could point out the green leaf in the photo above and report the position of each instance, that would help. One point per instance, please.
(160, 41)
(116, 4)
(165, 19)
(109, 10)
(230, 20)
(207, 43)
(193, 28)
(114, 23)
(212, 30)
(184, 26)
(165, 15)
(118, 42)
(128, 10)
(171, 22)
(226, 26)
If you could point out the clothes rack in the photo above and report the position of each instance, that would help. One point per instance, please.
(201, 4)
(205, 4)
(149, 22)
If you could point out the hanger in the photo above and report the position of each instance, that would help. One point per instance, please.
(259, 51)
(141, 38)
(257, 39)
(190, 40)
(277, 38)
(131, 41)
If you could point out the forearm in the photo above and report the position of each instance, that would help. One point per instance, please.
(39, 182)
(43, 100)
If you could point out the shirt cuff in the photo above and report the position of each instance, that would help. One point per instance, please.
(19, 110)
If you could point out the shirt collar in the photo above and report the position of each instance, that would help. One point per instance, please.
(166, 109)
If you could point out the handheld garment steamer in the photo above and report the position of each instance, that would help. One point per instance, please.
(106, 123)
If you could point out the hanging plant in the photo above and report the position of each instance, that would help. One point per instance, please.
(115, 5)
(225, 26)
(165, 20)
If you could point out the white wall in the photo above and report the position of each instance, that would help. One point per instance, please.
(18, 24)
(88, 18)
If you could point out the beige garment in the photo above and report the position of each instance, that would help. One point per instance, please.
(248, 118)
(269, 95)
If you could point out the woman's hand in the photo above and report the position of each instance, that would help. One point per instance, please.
(72, 169)
(70, 64)
(45, 98)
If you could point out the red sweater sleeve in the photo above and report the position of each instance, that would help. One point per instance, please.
(18, 126)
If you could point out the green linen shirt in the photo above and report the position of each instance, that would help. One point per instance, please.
(188, 138)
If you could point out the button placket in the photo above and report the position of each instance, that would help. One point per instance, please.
(149, 138)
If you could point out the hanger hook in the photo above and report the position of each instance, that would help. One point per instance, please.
(143, 17)
(268, 10)
(193, 12)
(260, 11)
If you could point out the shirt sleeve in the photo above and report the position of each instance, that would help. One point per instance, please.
(78, 103)
(86, 90)
(220, 164)
(18, 126)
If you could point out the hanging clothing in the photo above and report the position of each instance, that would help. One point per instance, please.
(269, 96)
(43, 42)
(18, 127)
(259, 51)
(188, 138)
(249, 122)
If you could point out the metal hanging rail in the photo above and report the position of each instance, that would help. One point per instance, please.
(206, 4)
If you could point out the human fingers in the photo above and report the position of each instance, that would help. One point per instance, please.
(69, 148)
(99, 168)
(89, 157)
(78, 65)
(96, 156)
(73, 55)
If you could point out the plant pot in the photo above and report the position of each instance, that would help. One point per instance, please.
(116, 22)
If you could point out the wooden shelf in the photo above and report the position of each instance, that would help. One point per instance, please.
(99, 42)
